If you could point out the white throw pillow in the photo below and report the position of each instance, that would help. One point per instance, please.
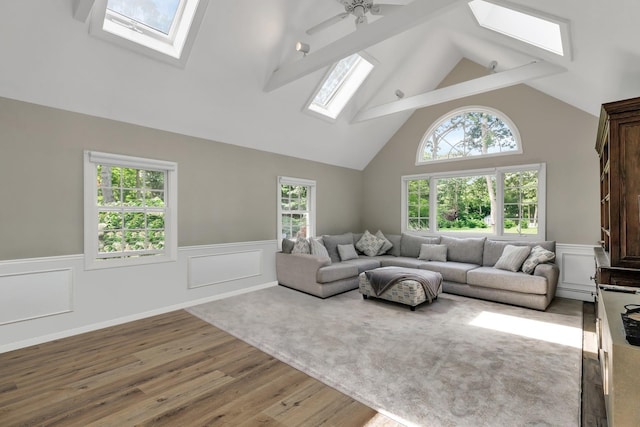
(512, 257)
(301, 246)
(369, 244)
(433, 252)
(317, 248)
(347, 252)
(539, 255)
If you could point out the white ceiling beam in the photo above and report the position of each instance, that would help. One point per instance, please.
(406, 17)
(81, 9)
(483, 84)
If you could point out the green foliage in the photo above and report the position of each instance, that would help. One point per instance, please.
(509, 224)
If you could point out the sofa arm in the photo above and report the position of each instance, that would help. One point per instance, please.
(298, 269)
(551, 272)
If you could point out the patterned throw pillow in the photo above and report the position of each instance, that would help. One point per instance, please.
(347, 252)
(301, 246)
(317, 248)
(538, 255)
(386, 245)
(369, 244)
(512, 257)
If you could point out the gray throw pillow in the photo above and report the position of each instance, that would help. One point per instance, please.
(410, 244)
(433, 252)
(347, 252)
(287, 246)
(512, 257)
(331, 242)
(369, 244)
(538, 255)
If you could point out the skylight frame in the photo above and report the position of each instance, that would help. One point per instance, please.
(173, 48)
(344, 92)
(485, 8)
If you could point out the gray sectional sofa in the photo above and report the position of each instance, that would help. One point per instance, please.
(469, 269)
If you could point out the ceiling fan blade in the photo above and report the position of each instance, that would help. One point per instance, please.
(329, 22)
(383, 9)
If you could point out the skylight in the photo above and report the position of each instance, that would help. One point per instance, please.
(149, 26)
(541, 31)
(340, 85)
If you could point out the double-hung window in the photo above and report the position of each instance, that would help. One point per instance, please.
(130, 210)
(508, 202)
(296, 208)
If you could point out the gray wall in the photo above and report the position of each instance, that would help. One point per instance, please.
(551, 131)
(226, 193)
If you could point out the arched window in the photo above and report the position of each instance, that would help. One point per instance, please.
(469, 132)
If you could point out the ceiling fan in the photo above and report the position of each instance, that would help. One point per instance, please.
(357, 8)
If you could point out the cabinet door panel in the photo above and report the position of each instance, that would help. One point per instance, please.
(630, 193)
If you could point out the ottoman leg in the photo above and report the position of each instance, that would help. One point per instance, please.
(413, 308)
(364, 296)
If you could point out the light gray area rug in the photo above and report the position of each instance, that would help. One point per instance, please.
(456, 362)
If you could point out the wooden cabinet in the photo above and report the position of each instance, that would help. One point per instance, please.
(619, 361)
(618, 146)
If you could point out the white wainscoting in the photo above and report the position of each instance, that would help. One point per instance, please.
(577, 267)
(35, 294)
(43, 299)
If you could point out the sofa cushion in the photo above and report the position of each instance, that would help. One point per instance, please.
(451, 271)
(490, 277)
(387, 261)
(386, 245)
(317, 248)
(467, 250)
(433, 252)
(301, 246)
(512, 257)
(493, 249)
(331, 242)
(369, 244)
(336, 271)
(410, 244)
(287, 245)
(396, 239)
(364, 263)
(538, 255)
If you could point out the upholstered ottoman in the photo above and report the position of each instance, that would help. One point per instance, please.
(408, 290)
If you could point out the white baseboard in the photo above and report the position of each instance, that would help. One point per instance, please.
(126, 319)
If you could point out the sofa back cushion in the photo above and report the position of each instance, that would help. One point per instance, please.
(396, 239)
(493, 249)
(467, 250)
(331, 242)
(410, 244)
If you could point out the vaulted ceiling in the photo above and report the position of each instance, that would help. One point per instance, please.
(225, 91)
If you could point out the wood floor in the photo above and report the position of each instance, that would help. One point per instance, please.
(177, 370)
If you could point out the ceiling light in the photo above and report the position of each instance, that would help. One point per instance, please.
(303, 47)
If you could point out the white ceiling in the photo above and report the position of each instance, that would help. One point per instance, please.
(49, 58)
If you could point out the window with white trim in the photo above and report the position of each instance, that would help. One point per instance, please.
(130, 210)
(508, 202)
(473, 131)
(162, 29)
(296, 208)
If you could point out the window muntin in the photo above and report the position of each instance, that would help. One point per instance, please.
(296, 208)
(469, 132)
(473, 202)
(527, 26)
(339, 86)
(130, 210)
